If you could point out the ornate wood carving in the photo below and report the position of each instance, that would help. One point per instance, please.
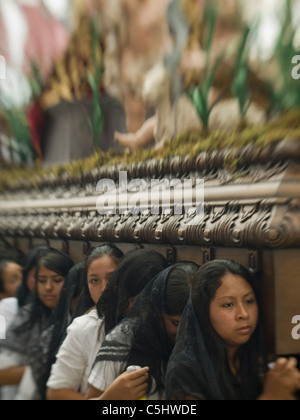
(254, 206)
(261, 224)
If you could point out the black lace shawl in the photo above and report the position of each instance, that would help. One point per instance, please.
(190, 373)
(21, 340)
(134, 272)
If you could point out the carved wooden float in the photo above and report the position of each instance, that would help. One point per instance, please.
(252, 215)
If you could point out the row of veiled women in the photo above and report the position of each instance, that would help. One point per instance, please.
(72, 331)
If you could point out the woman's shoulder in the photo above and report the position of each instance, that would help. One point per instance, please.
(22, 316)
(123, 332)
(9, 303)
(9, 306)
(88, 320)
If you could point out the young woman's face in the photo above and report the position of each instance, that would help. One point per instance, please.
(12, 279)
(172, 323)
(49, 286)
(234, 311)
(98, 276)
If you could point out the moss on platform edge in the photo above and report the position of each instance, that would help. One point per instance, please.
(188, 145)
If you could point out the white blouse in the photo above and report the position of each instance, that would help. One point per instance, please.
(105, 372)
(8, 311)
(77, 354)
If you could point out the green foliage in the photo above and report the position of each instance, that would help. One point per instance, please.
(200, 94)
(288, 96)
(96, 123)
(21, 133)
(36, 80)
(240, 83)
(18, 131)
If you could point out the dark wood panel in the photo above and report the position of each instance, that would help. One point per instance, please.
(287, 298)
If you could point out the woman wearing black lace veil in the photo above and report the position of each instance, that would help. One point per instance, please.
(219, 352)
(137, 269)
(147, 335)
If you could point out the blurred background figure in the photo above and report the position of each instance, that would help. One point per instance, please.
(10, 279)
(31, 39)
(17, 279)
(30, 33)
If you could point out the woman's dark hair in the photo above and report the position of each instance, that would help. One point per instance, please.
(55, 261)
(85, 301)
(134, 272)
(151, 346)
(30, 261)
(9, 253)
(204, 287)
(177, 289)
(3, 265)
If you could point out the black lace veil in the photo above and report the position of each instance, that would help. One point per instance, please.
(134, 272)
(199, 366)
(190, 373)
(141, 338)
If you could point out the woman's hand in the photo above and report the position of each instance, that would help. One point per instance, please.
(128, 386)
(283, 381)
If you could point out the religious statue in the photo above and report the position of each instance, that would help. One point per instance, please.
(154, 73)
(184, 62)
(137, 36)
(169, 117)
